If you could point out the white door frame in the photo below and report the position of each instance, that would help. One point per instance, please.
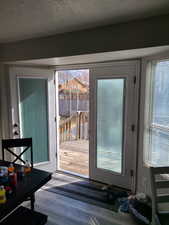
(26, 72)
(130, 70)
(57, 120)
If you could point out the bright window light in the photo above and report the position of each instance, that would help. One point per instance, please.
(157, 115)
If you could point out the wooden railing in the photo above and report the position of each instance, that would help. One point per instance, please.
(74, 127)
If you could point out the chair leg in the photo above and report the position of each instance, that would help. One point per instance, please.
(32, 202)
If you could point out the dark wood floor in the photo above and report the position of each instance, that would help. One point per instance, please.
(62, 210)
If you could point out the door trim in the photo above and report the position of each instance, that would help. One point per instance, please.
(96, 65)
(27, 72)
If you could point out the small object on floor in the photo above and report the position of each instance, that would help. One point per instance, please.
(104, 188)
(137, 206)
(113, 194)
(142, 198)
(124, 205)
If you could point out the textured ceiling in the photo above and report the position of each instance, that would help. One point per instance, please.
(23, 19)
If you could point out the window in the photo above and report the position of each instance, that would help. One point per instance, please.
(157, 115)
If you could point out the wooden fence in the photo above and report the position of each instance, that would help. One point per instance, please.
(74, 127)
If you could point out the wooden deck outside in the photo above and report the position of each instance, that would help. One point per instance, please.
(74, 156)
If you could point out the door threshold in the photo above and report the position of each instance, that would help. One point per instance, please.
(72, 174)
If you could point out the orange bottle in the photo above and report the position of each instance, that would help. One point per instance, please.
(11, 168)
(27, 168)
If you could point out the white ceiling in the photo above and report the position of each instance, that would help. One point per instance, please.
(23, 19)
(93, 58)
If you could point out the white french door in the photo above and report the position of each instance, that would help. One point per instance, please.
(33, 112)
(113, 123)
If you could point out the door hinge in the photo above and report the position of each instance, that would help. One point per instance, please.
(132, 127)
(132, 173)
(55, 119)
(54, 81)
(134, 79)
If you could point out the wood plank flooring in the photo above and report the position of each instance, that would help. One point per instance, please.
(62, 210)
(74, 157)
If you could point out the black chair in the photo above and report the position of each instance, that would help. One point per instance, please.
(8, 144)
(26, 143)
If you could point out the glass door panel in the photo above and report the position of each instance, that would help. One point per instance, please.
(110, 104)
(34, 116)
